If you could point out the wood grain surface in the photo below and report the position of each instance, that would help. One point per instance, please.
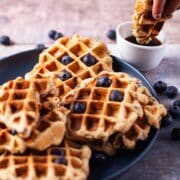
(28, 21)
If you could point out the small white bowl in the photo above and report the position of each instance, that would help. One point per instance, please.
(142, 57)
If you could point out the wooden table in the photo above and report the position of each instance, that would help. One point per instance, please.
(28, 22)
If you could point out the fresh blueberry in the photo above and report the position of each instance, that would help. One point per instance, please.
(61, 161)
(13, 132)
(40, 46)
(64, 75)
(79, 107)
(176, 103)
(104, 82)
(5, 40)
(51, 34)
(166, 121)
(100, 157)
(175, 112)
(171, 92)
(58, 35)
(111, 34)
(89, 60)
(160, 86)
(66, 60)
(175, 134)
(116, 96)
(58, 152)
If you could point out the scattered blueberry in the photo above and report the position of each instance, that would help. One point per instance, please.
(116, 96)
(13, 132)
(58, 35)
(40, 46)
(89, 60)
(111, 34)
(175, 134)
(66, 60)
(79, 107)
(64, 75)
(54, 35)
(61, 161)
(160, 86)
(59, 152)
(175, 111)
(176, 103)
(5, 40)
(51, 34)
(171, 92)
(166, 121)
(104, 82)
(101, 157)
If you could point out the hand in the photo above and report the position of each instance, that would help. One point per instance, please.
(164, 7)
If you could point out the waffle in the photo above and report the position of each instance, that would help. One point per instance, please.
(19, 105)
(77, 47)
(65, 162)
(145, 27)
(108, 125)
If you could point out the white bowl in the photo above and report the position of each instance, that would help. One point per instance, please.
(143, 57)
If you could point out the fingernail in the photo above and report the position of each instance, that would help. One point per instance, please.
(157, 16)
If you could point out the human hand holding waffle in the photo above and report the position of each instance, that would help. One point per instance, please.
(76, 98)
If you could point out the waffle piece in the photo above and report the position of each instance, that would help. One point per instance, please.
(107, 124)
(103, 117)
(65, 162)
(9, 141)
(145, 27)
(19, 105)
(73, 59)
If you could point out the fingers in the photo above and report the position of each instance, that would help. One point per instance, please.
(170, 7)
(158, 7)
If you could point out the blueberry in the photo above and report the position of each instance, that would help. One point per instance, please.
(104, 82)
(58, 35)
(100, 157)
(51, 34)
(60, 161)
(40, 46)
(66, 60)
(176, 103)
(175, 134)
(160, 86)
(79, 107)
(13, 132)
(111, 34)
(116, 96)
(166, 121)
(171, 92)
(175, 112)
(64, 75)
(89, 60)
(5, 40)
(59, 152)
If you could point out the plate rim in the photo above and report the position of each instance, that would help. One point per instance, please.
(150, 87)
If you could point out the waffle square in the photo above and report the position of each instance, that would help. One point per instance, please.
(67, 161)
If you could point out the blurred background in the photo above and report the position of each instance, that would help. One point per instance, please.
(28, 21)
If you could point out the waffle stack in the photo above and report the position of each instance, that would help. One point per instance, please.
(111, 111)
(145, 27)
(71, 96)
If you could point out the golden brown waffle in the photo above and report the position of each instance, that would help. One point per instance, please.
(145, 27)
(76, 47)
(19, 105)
(107, 124)
(65, 162)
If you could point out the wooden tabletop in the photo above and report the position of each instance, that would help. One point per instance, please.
(27, 22)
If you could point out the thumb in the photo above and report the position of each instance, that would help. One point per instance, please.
(158, 7)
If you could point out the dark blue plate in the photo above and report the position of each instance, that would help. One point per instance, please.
(19, 64)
